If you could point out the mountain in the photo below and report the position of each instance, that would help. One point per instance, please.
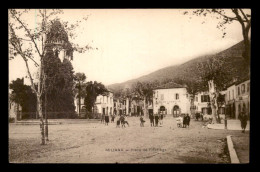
(232, 55)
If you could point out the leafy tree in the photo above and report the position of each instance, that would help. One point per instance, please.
(23, 95)
(144, 90)
(214, 74)
(92, 91)
(80, 79)
(225, 16)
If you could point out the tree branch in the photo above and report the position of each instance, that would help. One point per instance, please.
(225, 16)
(244, 14)
(28, 32)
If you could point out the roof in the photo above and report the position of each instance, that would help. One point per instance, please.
(170, 85)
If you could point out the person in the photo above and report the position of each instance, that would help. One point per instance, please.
(179, 121)
(102, 118)
(161, 119)
(184, 121)
(151, 117)
(106, 119)
(188, 120)
(117, 122)
(126, 122)
(156, 117)
(142, 121)
(112, 118)
(122, 120)
(243, 119)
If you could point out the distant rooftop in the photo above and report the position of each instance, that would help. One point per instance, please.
(170, 85)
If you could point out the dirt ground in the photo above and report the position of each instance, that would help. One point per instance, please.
(241, 145)
(97, 143)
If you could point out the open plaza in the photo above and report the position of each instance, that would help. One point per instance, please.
(85, 141)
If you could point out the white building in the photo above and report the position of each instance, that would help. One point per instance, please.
(201, 103)
(105, 103)
(171, 99)
(237, 99)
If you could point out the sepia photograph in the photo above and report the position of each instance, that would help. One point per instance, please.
(129, 86)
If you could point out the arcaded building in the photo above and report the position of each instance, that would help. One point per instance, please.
(171, 99)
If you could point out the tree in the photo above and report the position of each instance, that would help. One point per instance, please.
(145, 92)
(80, 79)
(234, 14)
(92, 91)
(23, 95)
(214, 75)
(30, 44)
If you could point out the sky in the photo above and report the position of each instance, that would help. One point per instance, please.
(135, 42)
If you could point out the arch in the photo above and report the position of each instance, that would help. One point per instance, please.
(176, 110)
(162, 110)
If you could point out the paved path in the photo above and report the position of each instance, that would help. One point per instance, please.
(231, 125)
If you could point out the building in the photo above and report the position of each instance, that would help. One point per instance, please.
(171, 99)
(104, 103)
(201, 103)
(14, 109)
(136, 107)
(237, 98)
(82, 106)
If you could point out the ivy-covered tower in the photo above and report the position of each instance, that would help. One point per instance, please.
(57, 41)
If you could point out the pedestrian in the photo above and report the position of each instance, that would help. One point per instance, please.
(102, 118)
(179, 121)
(142, 121)
(243, 119)
(122, 121)
(126, 121)
(156, 117)
(117, 122)
(106, 119)
(161, 119)
(151, 117)
(188, 120)
(184, 121)
(112, 118)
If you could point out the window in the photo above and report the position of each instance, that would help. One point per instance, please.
(196, 98)
(204, 98)
(229, 95)
(243, 88)
(248, 87)
(162, 97)
(233, 94)
(238, 90)
(177, 96)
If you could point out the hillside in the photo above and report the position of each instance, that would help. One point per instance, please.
(232, 55)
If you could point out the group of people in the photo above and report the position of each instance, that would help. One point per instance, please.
(183, 122)
(156, 119)
(105, 118)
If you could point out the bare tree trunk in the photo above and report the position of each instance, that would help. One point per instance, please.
(39, 109)
(213, 100)
(46, 117)
(145, 108)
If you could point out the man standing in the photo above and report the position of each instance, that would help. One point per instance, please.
(188, 120)
(243, 119)
(184, 121)
(151, 117)
(156, 117)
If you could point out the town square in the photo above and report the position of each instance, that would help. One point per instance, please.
(129, 86)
